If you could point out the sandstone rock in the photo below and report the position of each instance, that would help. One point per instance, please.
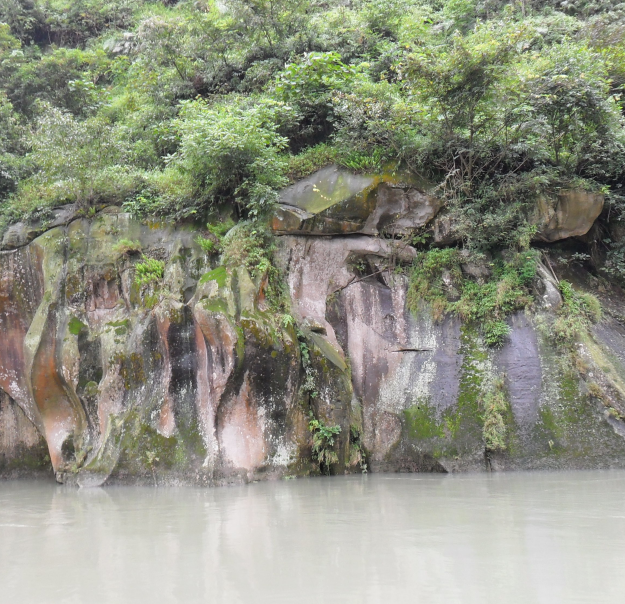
(550, 298)
(444, 231)
(400, 209)
(15, 236)
(201, 383)
(573, 214)
(21, 233)
(336, 202)
(325, 188)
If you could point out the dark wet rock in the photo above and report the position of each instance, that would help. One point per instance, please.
(23, 451)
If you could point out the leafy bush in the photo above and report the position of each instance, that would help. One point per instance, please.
(232, 151)
(71, 154)
(11, 146)
(314, 75)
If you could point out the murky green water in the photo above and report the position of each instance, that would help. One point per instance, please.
(506, 539)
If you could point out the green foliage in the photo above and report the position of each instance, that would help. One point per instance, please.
(208, 245)
(233, 151)
(75, 326)
(172, 108)
(220, 229)
(11, 165)
(252, 245)
(149, 271)
(323, 438)
(359, 161)
(287, 321)
(249, 245)
(71, 156)
(310, 160)
(578, 311)
(437, 278)
(316, 74)
(496, 333)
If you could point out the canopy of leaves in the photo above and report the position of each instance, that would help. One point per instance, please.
(173, 108)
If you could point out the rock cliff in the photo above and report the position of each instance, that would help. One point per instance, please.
(196, 380)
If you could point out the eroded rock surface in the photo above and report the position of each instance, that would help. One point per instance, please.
(197, 380)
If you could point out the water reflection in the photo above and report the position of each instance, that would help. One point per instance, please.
(514, 538)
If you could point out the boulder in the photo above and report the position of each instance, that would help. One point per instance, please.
(477, 266)
(336, 202)
(22, 233)
(444, 230)
(573, 214)
(400, 209)
(325, 188)
(17, 235)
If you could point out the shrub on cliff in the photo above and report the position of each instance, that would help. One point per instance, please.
(233, 151)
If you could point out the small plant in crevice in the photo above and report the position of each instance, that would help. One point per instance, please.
(150, 460)
(287, 321)
(252, 246)
(308, 385)
(148, 276)
(214, 242)
(495, 333)
(208, 245)
(149, 271)
(323, 439)
(125, 247)
(356, 450)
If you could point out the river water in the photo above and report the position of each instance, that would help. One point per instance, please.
(504, 538)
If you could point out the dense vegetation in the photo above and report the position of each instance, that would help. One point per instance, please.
(176, 108)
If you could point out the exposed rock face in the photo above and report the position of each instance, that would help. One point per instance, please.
(124, 388)
(197, 381)
(573, 214)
